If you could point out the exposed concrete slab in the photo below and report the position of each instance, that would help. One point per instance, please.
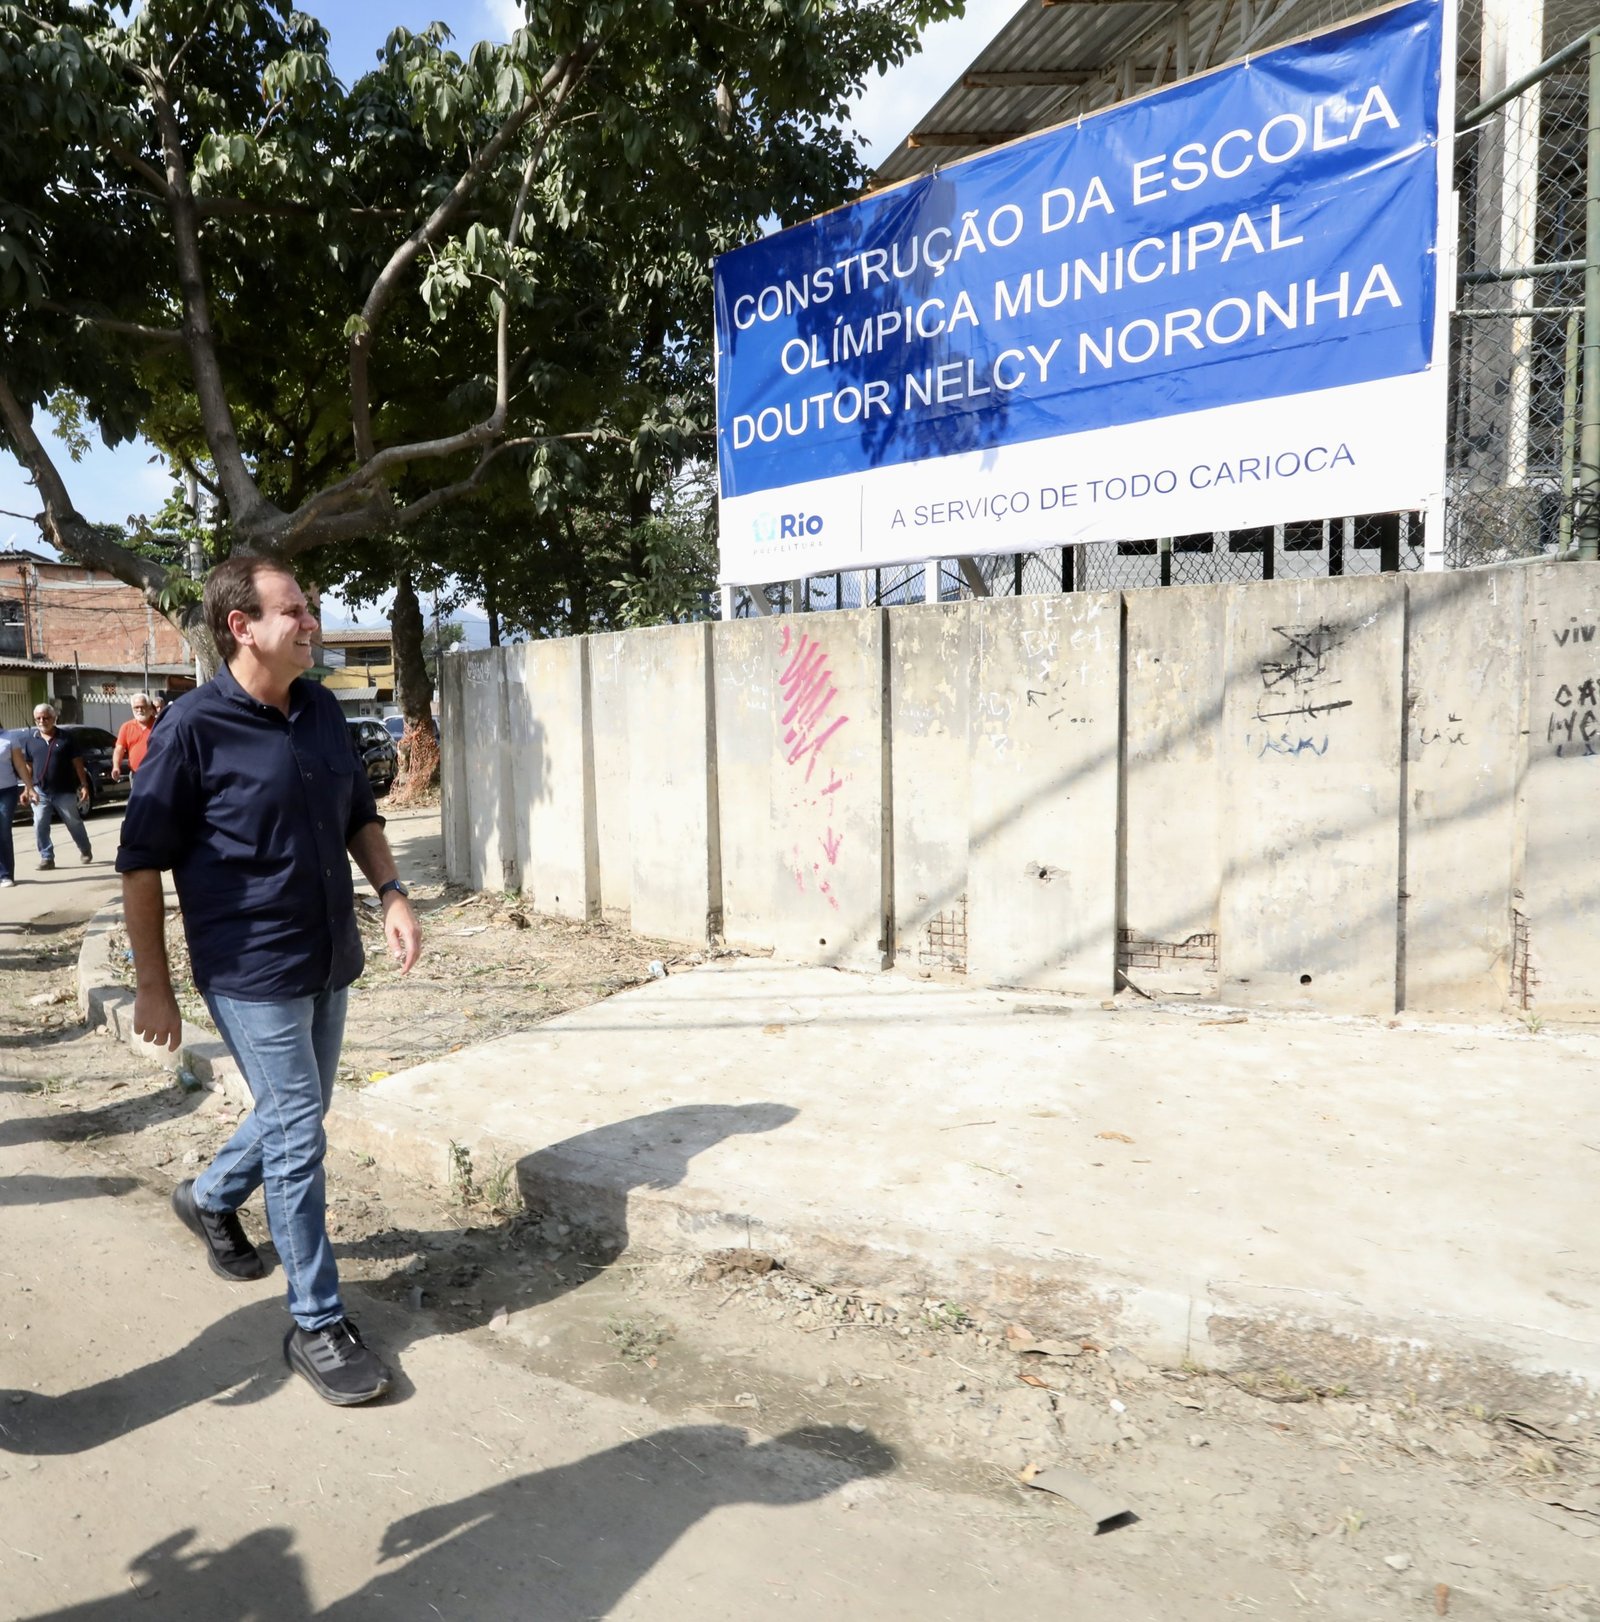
(1172, 787)
(1281, 1200)
(1312, 740)
(608, 716)
(1466, 691)
(552, 775)
(676, 884)
(1042, 848)
(930, 663)
(1561, 872)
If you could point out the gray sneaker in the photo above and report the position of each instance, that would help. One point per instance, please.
(86, 860)
(336, 1363)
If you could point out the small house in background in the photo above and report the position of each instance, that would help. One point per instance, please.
(360, 669)
(83, 640)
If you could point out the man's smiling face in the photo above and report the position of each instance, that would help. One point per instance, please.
(281, 637)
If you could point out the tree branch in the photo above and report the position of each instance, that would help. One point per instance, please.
(247, 507)
(131, 160)
(130, 329)
(558, 82)
(63, 526)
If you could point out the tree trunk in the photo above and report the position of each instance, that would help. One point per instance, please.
(491, 613)
(413, 691)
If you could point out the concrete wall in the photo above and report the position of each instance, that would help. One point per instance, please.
(1352, 795)
(551, 762)
(674, 843)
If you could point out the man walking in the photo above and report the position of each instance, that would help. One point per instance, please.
(16, 779)
(133, 737)
(60, 786)
(251, 794)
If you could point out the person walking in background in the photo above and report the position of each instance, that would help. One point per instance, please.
(252, 794)
(133, 738)
(60, 786)
(16, 779)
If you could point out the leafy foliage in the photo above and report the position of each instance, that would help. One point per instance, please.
(478, 276)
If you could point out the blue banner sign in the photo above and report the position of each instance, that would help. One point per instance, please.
(1183, 313)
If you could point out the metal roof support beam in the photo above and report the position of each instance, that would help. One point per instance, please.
(1006, 78)
(920, 138)
(973, 575)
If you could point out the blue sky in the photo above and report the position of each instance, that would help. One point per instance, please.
(109, 485)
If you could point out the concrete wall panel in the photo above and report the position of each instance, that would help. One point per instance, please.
(1311, 740)
(552, 780)
(1043, 840)
(608, 715)
(484, 730)
(1465, 690)
(827, 789)
(930, 672)
(1172, 788)
(454, 787)
(1561, 875)
(744, 658)
(676, 882)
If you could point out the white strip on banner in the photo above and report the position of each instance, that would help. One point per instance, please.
(1213, 308)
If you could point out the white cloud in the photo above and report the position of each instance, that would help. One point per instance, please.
(503, 17)
(888, 109)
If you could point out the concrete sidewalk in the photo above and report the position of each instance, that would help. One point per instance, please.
(1405, 1206)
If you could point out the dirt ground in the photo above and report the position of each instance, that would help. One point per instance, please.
(1267, 1496)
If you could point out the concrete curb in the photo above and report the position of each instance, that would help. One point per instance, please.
(1321, 1338)
(104, 1000)
(1316, 1335)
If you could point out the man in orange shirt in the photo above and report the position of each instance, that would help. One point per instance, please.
(134, 738)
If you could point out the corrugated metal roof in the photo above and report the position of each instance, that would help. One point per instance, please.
(1115, 48)
(355, 636)
(33, 664)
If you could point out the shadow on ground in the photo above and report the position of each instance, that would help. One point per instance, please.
(557, 1545)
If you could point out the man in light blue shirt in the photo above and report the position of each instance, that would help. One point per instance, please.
(16, 775)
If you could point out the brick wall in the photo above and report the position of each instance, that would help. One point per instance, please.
(79, 613)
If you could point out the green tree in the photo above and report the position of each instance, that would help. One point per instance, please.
(347, 310)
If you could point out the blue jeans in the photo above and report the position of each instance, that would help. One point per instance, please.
(8, 851)
(289, 1053)
(64, 804)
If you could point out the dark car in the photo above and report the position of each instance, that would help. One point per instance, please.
(377, 751)
(94, 745)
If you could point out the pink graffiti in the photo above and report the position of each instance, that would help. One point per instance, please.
(830, 846)
(835, 782)
(808, 692)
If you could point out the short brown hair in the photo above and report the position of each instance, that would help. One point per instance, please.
(232, 585)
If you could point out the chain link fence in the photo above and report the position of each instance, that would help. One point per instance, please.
(1515, 478)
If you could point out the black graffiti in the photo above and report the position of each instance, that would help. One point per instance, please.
(1574, 633)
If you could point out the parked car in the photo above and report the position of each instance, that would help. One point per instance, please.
(377, 751)
(95, 745)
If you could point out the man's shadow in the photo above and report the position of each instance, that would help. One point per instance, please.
(585, 1181)
(565, 1544)
(238, 1359)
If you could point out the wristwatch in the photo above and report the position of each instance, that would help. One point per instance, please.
(399, 886)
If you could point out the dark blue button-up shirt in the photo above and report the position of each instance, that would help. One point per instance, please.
(252, 810)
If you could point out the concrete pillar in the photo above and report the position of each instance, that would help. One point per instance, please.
(1172, 788)
(1042, 846)
(608, 719)
(930, 660)
(552, 775)
(1312, 720)
(1466, 688)
(677, 879)
(454, 791)
(489, 797)
(1560, 881)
